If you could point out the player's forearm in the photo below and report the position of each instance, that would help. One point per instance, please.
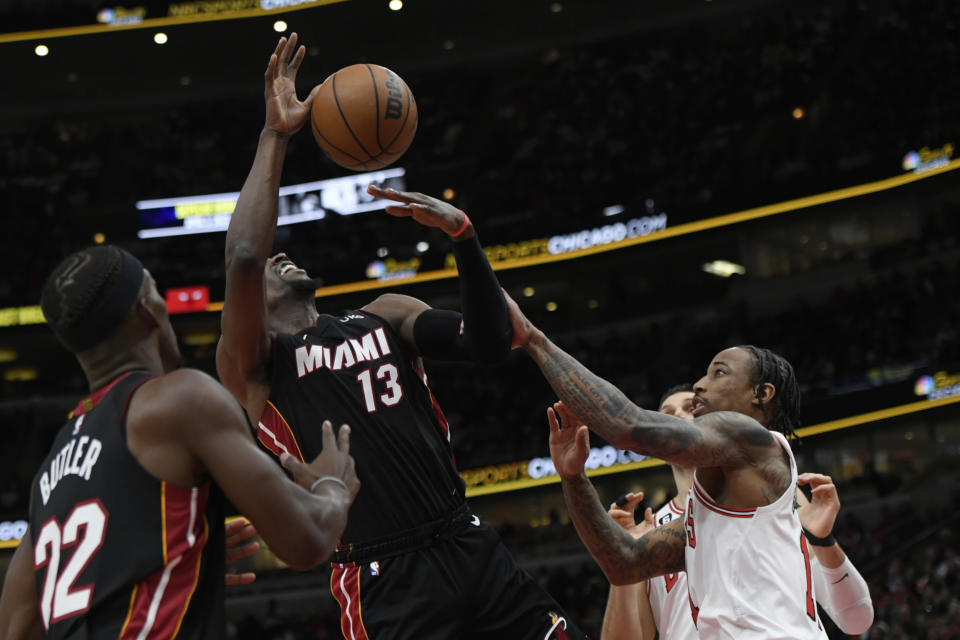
(623, 559)
(254, 220)
(621, 620)
(600, 405)
(486, 321)
(844, 595)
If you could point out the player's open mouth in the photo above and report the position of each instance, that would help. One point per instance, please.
(286, 268)
(697, 406)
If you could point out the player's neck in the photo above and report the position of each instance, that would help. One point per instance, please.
(683, 478)
(104, 365)
(293, 315)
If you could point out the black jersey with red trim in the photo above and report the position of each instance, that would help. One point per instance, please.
(354, 369)
(117, 552)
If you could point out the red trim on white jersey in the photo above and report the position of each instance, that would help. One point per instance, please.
(716, 507)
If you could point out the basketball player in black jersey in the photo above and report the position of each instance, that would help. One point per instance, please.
(126, 535)
(414, 562)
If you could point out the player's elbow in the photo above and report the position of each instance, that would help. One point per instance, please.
(857, 619)
(313, 549)
(243, 258)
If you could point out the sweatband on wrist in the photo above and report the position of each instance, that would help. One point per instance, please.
(329, 479)
(828, 541)
(463, 227)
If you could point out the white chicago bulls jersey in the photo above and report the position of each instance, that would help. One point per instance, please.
(668, 594)
(748, 570)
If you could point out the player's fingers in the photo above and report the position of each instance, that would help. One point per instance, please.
(824, 490)
(288, 49)
(308, 101)
(295, 63)
(620, 501)
(239, 530)
(279, 48)
(813, 479)
(648, 517)
(329, 440)
(399, 211)
(343, 439)
(233, 579)
(583, 439)
(245, 551)
(552, 419)
(235, 526)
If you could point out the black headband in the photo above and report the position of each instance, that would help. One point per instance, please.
(105, 314)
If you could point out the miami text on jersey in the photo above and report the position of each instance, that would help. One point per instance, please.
(343, 355)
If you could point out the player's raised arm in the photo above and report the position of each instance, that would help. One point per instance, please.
(301, 524)
(19, 609)
(722, 439)
(623, 558)
(482, 332)
(245, 345)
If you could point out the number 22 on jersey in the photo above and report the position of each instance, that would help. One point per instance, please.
(86, 525)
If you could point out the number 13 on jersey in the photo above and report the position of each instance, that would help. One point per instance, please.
(388, 374)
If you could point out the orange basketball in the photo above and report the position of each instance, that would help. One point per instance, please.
(364, 117)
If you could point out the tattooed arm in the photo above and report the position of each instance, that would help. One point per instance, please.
(624, 560)
(721, 439)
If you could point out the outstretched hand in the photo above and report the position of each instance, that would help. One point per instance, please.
(820, 514)
(522, 327)
(238, 532)
(286, 114)
(427, 210)
(569, 443)
(622, 513)
(334, 461)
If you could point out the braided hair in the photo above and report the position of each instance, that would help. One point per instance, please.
(772, 368)
(89, 294)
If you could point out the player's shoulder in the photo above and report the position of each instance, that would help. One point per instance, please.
(739, 427)
(395, 307)
(183, 391)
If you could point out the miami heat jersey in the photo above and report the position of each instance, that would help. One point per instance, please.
(117, 552)
(748, 570)
(354, 369)
(668, 594)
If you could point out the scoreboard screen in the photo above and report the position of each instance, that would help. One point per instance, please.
(298, 203)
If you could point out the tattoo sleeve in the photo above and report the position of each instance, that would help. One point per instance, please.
(623, 559)
(713, 440)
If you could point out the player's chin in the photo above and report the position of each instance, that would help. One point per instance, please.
(304, 284)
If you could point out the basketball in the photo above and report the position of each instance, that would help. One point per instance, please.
(364, 117)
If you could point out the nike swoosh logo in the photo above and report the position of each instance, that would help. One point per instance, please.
(476, 522)
(846, 575)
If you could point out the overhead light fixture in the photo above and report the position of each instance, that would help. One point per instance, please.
(7, 354)
(422, 246)
(279, 26)
(395, 5)
(551, 306)
(528, 292)
(613, 210)
(797, 113)
(20, 374)
(160, 37)
(99, 238)
(449, 194)
(383, 252)
(724, 268)
(41, 50)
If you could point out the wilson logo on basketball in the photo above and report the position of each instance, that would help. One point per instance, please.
(394, 98)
